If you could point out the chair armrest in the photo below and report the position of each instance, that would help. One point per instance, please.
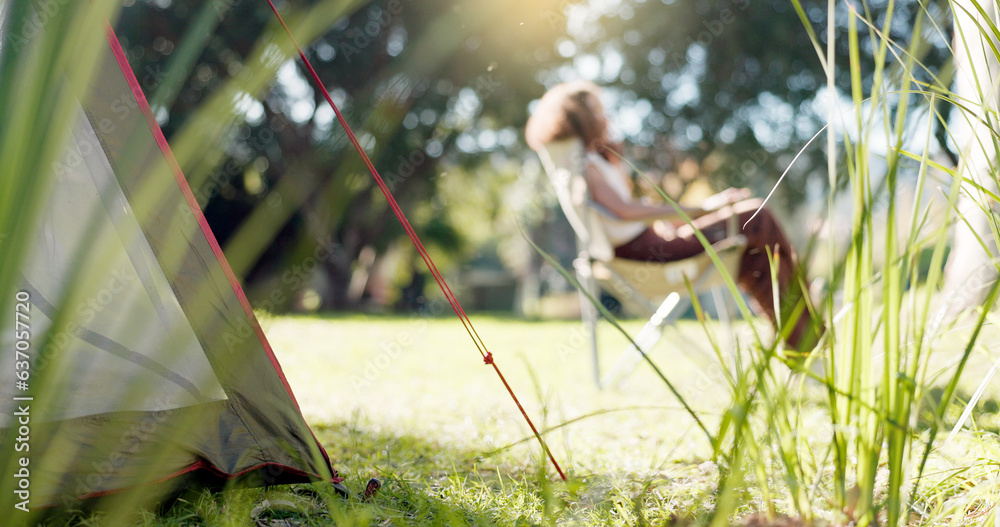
(733, 242)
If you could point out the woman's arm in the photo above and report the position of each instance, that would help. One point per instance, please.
(606, 197)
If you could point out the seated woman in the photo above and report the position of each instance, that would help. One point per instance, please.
(574, 110)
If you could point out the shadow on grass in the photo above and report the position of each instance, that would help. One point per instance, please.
(423, 483)
(426, 482)
(429, 483)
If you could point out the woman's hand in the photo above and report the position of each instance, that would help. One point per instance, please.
(726, 197)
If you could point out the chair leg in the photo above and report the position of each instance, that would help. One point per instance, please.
(724, 310)
(588, 312)
(647, 337)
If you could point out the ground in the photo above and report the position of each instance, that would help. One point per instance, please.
(409, 400)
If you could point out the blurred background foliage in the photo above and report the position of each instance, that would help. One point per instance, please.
(439, 92)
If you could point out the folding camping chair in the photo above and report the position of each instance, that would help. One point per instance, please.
(653, 289)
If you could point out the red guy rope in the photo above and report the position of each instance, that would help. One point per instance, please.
(455, 304)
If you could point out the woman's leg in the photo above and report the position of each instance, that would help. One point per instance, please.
(763, 234)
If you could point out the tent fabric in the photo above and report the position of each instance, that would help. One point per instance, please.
(156, 366)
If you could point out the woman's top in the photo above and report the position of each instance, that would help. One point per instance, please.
(619, 231)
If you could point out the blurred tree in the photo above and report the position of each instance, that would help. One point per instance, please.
(448, 83)
(280, 185)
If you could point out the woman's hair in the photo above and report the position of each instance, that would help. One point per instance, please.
(564, 112)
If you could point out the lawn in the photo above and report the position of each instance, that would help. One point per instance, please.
(408, 400)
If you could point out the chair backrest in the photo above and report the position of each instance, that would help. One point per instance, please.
(564, 163)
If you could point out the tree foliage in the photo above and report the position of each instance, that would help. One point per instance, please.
(438, 85)
(735, 82)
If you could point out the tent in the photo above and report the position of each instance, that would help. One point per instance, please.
(142, 364)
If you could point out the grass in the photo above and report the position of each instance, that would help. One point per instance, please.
(435, 426)
(436, 388)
